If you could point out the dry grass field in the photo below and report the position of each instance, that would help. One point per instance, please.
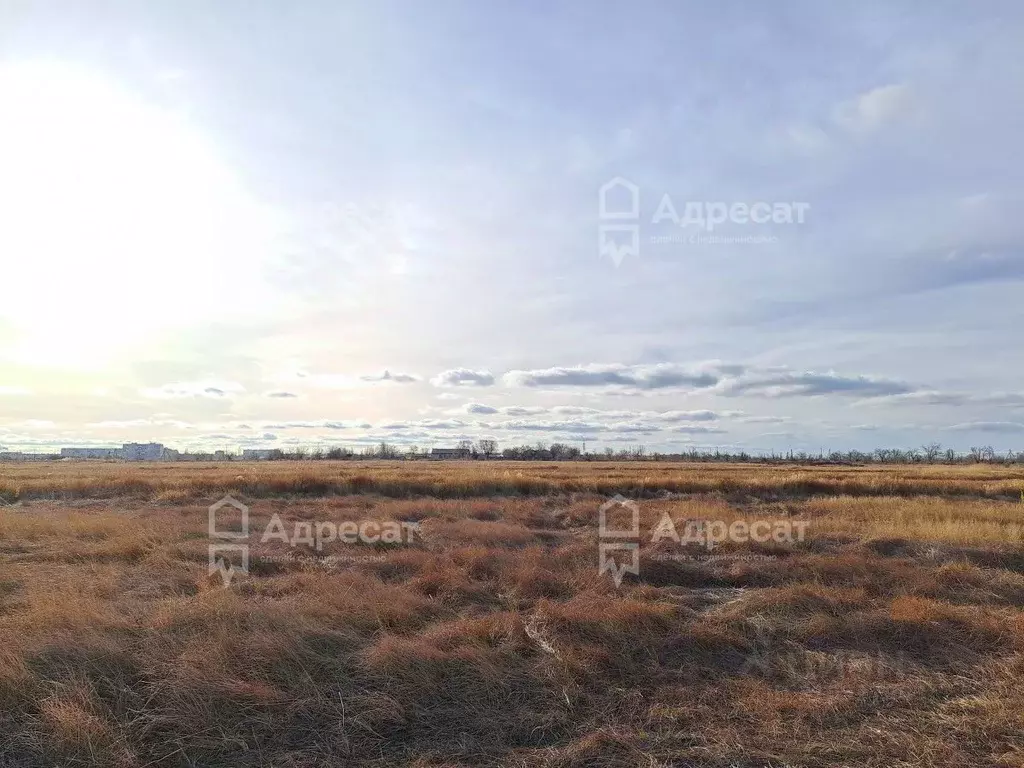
(171, 482)
(891, 634)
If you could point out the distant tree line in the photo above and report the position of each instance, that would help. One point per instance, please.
(931, 453)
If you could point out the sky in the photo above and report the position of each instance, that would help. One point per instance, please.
(262, 224)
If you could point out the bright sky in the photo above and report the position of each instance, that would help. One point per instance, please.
(326, 223)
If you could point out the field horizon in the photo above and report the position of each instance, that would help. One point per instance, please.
(169, 480)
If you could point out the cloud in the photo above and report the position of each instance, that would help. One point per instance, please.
(479, 408)
(134, 423)
(660, 376)
(1004, 427)
(763, 419)
(576, 426)
(935, 397)
(12, 391)
(550, 426)
(632, 428)
(784, 383)
(725, 379)
(873, 109)
(923, 397)
(463, 377)
(530, 410)
(387, 376)
(674, 416)
(1011, 399)
(424, 424)
(667, 417)
(334, 425)
(283, 395)
(696, 430)
(344, 380)
(215, 389)
(567, 410)
(33, 424)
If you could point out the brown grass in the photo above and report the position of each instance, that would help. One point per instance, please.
(892, 636)
(179, 482)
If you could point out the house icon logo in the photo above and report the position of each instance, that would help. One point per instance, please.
(618, 211)
(221, 556)
(614, 543)
(618, 198)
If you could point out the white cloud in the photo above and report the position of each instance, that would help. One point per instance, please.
(463, 377)
(787, 383)
(875, 108)
(479, 408)
(330, 425)
(424, 424)
(550, 426)
(673, 416)
(659, 376)
(387, 376)
(192, 389)
(988, 426)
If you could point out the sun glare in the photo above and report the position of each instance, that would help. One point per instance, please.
(123, 222)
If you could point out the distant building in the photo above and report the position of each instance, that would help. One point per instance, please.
(450, 453)
(147, 452)
(260, 454)
(90, 453)
(128, 452)
(22, 456)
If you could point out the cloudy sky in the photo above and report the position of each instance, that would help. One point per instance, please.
(260, 223)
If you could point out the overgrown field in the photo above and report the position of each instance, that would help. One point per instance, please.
(460, 479)
(890, 634)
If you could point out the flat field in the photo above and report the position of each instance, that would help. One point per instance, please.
(453, 614)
